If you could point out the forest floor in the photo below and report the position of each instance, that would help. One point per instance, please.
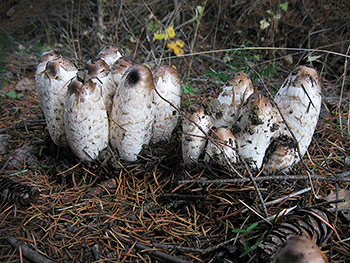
(56, 208)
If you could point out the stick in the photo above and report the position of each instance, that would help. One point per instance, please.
(339, 178)
(149, 250)
(27, 252)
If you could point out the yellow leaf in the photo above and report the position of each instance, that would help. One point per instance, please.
(180, 43)
(176, 47)
(170, 32)
(159, 36)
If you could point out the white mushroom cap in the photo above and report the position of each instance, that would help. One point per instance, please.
(97, 68)
(86, 122)
(235, 93)
(119, 67)
(281, 154)
(58, 74)
(110, 54)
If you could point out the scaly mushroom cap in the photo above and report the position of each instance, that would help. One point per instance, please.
(41, 79)
(299, 249)
(193, 138)
(132, 114)
(110, 54)
(86, 122)
(59, 67)
(167, 83)
(100, 74)
(119, 67)
(97, 68)
(258, 123)
(235, 93)
(223, 147)
(299, 100)
(49, 55)
(55, 80)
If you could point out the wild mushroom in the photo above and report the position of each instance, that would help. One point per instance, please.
(132, 114)
(167, 83)
(110, 54)
(258, 122)
(299, 249)
(194, 138)
(281, 154)
(42, 80)
(99, 73)
(236, 91)
(86, 120)
(54, 84)
(299, 100)
(223, 147)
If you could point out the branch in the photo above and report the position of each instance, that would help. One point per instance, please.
(27, 252)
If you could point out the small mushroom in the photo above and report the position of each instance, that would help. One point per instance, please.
(235, 93)
(258, 123)
(167, 83)
(281, 154)
(299, 249)
(110, 54)
(193, 138)
(99, 73)
(222, 148)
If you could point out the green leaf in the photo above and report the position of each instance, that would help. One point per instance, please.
(264, 24)
(256, 245)
(245, 252)
(19, 95)
(239, 230)
(12, 94)
(284, 6)
(251, 226)
(200, 10)
(313, 58)
(188, 89)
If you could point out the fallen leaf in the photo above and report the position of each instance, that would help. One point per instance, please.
(25, 84)
(176, 46)
(342, 194)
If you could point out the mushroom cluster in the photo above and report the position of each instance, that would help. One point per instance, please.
(118, 102)
(265, 132)
(127, 105)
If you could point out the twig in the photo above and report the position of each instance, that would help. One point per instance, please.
(148, 250)
(25, 124)
(257, 189)
(342, 88)
(191, 249)
(339, 178)
(283, 198)
(27, 252)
